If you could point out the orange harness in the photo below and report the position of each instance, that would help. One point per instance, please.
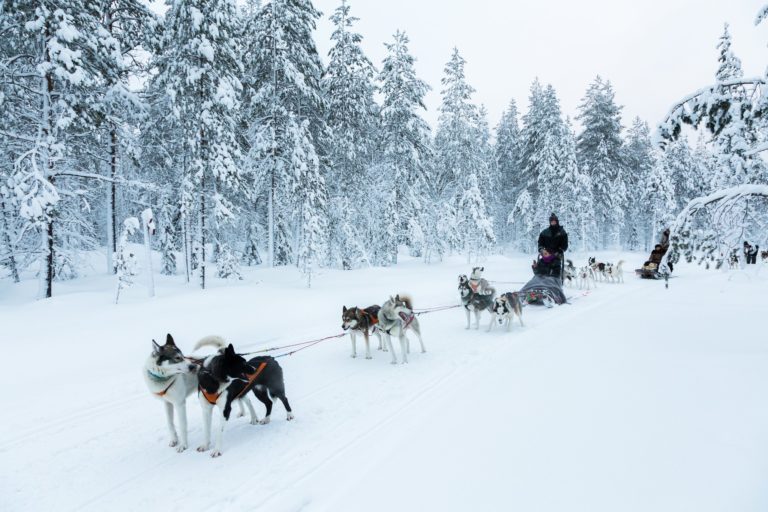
(163, 392)
(212, 398)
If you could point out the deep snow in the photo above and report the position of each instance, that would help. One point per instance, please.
(633, 398)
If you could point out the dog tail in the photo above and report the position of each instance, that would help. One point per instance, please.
(407, 299)
(211, 341)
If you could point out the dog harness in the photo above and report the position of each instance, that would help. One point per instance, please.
(212, 398)
(163, 392)
(371, 317)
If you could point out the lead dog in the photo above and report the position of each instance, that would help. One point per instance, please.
(474, 301)
(227, 377)
(357, 320)
(505, 307)
(171, 378)
(396, 317)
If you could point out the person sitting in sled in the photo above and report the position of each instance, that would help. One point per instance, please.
(546, 287)
(659, 250)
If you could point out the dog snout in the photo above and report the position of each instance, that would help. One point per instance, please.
(192, 368)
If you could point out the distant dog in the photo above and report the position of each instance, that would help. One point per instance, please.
(733, 261)
(474, 301)
(615, 273)
(478, 283)
(598, 268)
(569, 273)
(171, 378)
(764, 256)
(227, 377)
(357, 320)
(584, 276)
(396, 317)
(505, 307)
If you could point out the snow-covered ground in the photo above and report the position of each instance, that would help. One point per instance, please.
(633, 398)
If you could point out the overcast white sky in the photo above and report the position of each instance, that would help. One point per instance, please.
(653, 51)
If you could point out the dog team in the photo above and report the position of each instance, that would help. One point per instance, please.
(225, 378)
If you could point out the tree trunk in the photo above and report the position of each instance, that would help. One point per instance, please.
(47, 257)
(12, 266)
(112, 224)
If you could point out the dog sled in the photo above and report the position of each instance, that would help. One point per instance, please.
(653, 271)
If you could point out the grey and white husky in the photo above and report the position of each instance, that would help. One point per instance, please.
(473, 301)
(479, 284)
(395, 318)
(171, 378)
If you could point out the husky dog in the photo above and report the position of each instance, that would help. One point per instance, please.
(396, 317)
(598, 268)
(227, 377)
(764, 256)
(506, 306)
(474, 301)
(615, 272)
(171, 378)
(357, 320)
(478, 283)
(569, 273)
(584, 276)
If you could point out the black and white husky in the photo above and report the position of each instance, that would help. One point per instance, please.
(473, 301)
(395, 318)
(227, 377)
(505, 307)
(171, 378)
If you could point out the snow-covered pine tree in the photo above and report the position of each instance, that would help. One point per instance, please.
(474, 226)
(128, 27)
(282, 80)
(199, 67)
(659, 196)
(639, 162)
(167, 237)
(405, 141)
(506, 162)
(227, 263)
(126, 262)
(53, 55)
(348, 86)
(600, 152)
(730, 64)
(251, 254)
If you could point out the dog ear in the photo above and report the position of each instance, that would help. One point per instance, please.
(397, 298)
(169, 340)
(155, 347)
(482, 269)
(343, 309)
(230, 350)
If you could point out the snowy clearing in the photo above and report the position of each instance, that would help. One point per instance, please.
(633, 398)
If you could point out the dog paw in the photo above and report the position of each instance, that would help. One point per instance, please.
(353, 356)
(290, 416)
(203, 448)
(264, 421)
(369, 357)
(173, 443)
(254, 421)
(241, 414)
(181, 448)
(215, 453)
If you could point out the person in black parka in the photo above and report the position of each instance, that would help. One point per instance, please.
(554, 240)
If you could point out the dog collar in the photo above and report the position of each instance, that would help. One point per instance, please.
(158, 378)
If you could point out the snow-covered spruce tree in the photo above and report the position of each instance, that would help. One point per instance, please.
(168, 245)
(659, 196)
(348, 86)
(8, 257)
(251, 256)
(405, 143)
(199, 67)
(282, 80)
(460, 148)
(600, 152)
(506, 160)
(227, 263)
(53, 55)
(572, 195)
(126, 263)
(474, 225)
(639, 162)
